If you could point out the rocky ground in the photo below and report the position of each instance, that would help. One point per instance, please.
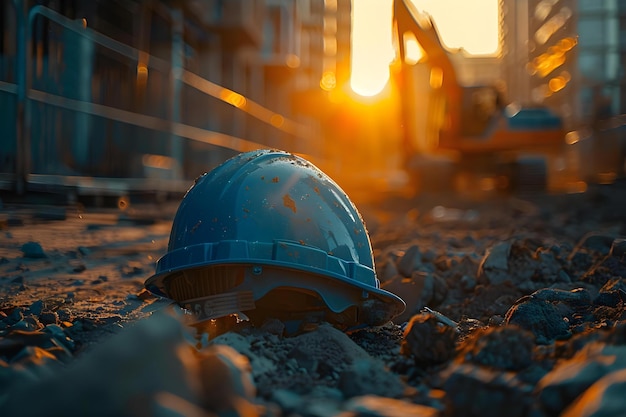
(515, 306)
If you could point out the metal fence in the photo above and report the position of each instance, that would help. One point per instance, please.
(86, 112)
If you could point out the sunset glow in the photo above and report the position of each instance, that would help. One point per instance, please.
(472, 26)
(372, 49)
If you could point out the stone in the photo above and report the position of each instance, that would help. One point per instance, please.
(547, 321)
(427, 340)
(507, 348)
(226, 381)
(495, 264)
(370, 376)
(410, 261)
(33, 356)
(148, 360)
(421, 290)
(618, 248)
(597, 242)
(131, 268)
(273, 326)
(572, 377)
(27, 323)
(35, 308)
(468, 283)
(376, 406)
(604, 398)
(476, 391)
(387, 270)
(33, 250)
(288, 401)
(83, 250)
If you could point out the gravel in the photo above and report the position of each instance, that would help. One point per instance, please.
(515, 306)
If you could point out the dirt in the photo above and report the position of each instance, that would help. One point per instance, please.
(506, 296)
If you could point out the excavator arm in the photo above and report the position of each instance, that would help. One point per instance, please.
(462, 119)
(411, 24)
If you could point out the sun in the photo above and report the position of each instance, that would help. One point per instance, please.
(371, 46)
(472, 26)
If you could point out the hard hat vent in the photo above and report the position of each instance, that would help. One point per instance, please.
(203, 282)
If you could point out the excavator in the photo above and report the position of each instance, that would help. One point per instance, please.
(471, 127)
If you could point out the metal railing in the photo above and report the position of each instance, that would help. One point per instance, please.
(31, 100)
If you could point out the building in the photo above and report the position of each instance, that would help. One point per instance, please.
(602, 51)
(125, 95)
(540, 59)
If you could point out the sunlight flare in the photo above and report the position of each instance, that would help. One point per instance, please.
(472, 26)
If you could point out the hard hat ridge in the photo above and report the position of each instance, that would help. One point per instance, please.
(264, 223)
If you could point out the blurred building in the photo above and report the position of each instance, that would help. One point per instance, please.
(602, 56)
(567, 54)
(151, 93)
(540, 40)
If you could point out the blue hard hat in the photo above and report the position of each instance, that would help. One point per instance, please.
(270, 235)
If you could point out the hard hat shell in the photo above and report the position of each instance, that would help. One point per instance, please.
(267, 220)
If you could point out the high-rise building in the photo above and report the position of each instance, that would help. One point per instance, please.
(540, 43)
(602, 30)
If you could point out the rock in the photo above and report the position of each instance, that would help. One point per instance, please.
(16, 339)
(413, 292)
(33, 250)
(507, 348)
(375, 406)
(597, 242)
(421, 290)
(605, 398)
(495, 264)
(320, 401)
(609, 299)
(28, 323)
(427, 340)
(273, 326)
(466, 326)
(288, 400)
(575, 297)
(16, 315)
(149, 361)
(132, 268)
(31, 356)
(580, 261)
(548, 269)
(524, 263)
(369, 376)
(35, 308)
(481, 392)
(387, 269)
(468, 283)
(264, 362)
(328, 347)
(65, 315)
(547, 313)
(605, 270)
(83, 250)
(618, 248)
(226, 381)
(234, 340)
(410, 261)
(572, 377)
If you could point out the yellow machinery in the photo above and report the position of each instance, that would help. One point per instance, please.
(470, 125)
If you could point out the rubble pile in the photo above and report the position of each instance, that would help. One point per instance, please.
(514, 307)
